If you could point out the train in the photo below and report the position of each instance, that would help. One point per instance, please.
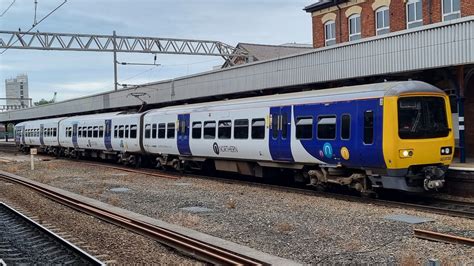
(390, 135)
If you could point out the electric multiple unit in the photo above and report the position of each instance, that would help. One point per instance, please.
(393, 135)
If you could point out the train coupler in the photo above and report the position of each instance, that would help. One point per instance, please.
(434, 178)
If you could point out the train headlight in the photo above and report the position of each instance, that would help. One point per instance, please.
(406, 153)
(446, 151)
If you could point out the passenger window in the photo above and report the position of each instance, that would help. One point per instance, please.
(121, 131)
(275, 122)
(171, 131)
(115, 132)
(54, 132)
(197, 130)
(84, 132)
(327, 127)
(241, 129)
(126, 131)
(346, 127)
(225, 129)
(147, 131)
(258, 128)
(133, 131)
(284, 125)
(79, 132)
(96, 132)
(153, 131)
(304, 127)
(209, 129)
(89, 132)
(369, 127)
(161, 130)
(101, 131)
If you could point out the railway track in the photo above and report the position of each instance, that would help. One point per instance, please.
(23, 241)
(433, 205)
(441, 237)
(195, 248)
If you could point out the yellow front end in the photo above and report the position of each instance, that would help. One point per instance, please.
(402, 153)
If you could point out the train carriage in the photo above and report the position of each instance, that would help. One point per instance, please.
(394, 135)
(40, 133)
(101, 135)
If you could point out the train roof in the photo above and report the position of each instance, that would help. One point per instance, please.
(110, 115)
(41, 121)
(376, 90)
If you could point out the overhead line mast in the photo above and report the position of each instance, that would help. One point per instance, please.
(116, 44)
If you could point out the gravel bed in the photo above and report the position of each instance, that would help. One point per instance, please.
(305, 228)
(113, 244)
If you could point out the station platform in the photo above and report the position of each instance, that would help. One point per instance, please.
(468, 166)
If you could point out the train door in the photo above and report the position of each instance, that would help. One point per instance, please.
(183, 134)
(41, 134)
(108, 134)
(280, 133)
(20, 135)
(369, 139)
(74, 135)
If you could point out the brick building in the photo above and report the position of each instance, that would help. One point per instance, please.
(341, 22)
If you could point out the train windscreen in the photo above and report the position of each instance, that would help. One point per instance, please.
(422, 117)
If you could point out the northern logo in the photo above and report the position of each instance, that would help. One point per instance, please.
(215, 147)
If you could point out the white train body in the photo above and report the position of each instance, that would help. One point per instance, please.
(345, 132)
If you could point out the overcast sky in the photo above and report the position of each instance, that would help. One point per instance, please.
(74, 74)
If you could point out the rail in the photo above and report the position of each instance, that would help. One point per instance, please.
(441, 237)
(195, 248)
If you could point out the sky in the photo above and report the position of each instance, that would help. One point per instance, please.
(75, 74)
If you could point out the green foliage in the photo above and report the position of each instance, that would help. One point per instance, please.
(43, 102)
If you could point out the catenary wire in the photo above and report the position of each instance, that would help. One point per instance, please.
(8, 8)
(41, 20)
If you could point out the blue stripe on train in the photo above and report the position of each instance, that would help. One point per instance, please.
(183, 136)
(280, 140)
(329, 151)
(108, 134)
(74, 136)
(41, 134)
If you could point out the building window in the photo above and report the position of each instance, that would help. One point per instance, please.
(414, 14)
(330, 32)
(382, 20)
(354, 27)
(451, 9)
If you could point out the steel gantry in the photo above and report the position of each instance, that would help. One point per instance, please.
(116, 44)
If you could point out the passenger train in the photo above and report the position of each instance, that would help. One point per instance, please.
(392, 135)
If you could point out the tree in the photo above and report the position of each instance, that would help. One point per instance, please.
(43, 102)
